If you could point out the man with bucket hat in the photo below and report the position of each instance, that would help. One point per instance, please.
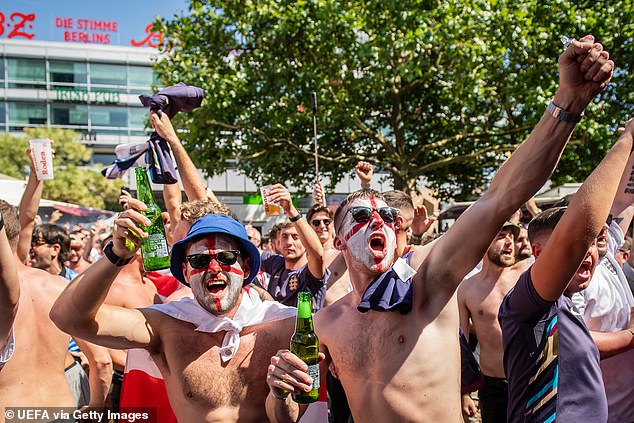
(213, 350)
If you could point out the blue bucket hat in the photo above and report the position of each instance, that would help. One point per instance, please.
(215, 224)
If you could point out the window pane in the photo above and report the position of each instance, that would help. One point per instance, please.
(140, 76)
(107, 74)
(69, 114)
(2, 113)
(108, 116)
(67, 72)
(27, 114)
(2, 71)
(24, 73)
(138, 118)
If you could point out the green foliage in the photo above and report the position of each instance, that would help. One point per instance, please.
(422, 89)
(83, 186)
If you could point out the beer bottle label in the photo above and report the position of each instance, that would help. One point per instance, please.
(157, 246)
(313, 371)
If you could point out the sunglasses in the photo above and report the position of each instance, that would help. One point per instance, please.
(364, 214)
(317, 222)
(224, 258)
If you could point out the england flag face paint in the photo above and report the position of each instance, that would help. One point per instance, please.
(216, 287)
(371, 243)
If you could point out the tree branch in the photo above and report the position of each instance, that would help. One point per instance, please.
(458, 159)
(474, 135)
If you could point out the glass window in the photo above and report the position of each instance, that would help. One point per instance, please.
(27, 114)
(2, 71)
(67, 72)
(139, 117)
(140, 76)
(109, 116)
(24, 73)
(101, 74)
(3, 111)
(69, 114)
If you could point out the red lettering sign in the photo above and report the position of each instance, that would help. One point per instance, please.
(19, 21)
(156, 36)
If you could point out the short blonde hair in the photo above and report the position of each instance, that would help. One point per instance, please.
(191, 211)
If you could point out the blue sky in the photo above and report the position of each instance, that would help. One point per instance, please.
(55, 20)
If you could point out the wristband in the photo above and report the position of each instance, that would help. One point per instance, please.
(296, 218)
(562, 114)
(115, 259)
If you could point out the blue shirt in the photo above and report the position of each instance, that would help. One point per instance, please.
(286, 283)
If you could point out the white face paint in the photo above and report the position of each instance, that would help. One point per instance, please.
(371, 244)
(216, 288)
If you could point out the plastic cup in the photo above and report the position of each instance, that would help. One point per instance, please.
(43, 158)
(270, 208)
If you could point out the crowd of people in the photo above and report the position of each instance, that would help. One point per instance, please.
(503, 317)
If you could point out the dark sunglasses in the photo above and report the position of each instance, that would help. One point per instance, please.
(224, 258)
(364, 214)
(317, 222)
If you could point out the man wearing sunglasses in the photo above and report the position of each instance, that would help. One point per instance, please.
(212, 350)
(394, 338)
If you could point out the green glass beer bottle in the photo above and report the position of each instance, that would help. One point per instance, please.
(154, 248)
(305, 345)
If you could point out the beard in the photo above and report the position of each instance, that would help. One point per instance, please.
(499, 259)
(226, 303)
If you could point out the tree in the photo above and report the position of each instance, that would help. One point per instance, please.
(422, 89)
(72, 184)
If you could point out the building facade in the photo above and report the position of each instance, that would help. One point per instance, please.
(92, 89)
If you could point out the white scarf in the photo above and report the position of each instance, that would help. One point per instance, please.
(252, 311)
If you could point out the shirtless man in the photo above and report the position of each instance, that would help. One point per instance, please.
(9, 296)
(214, 369)
(34, 374)
(479, 299)
(406, 366)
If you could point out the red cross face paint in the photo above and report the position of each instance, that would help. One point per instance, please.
(372, 244)
(216, 287)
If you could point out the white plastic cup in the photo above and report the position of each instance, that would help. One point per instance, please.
(43, 158)
(270, 208)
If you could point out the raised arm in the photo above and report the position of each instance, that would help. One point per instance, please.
(622, 209)
(193, 184)
(9, 286)
(314, 250)
(29, 204)
(581, 223)
(80, 309)
(584, 70)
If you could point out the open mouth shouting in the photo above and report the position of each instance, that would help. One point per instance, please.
(377, 244)
(216, 286)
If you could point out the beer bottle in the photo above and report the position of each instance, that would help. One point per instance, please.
(154, 248)
(305, 345)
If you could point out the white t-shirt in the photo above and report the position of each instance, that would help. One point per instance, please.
(605, 305)
(7, 350)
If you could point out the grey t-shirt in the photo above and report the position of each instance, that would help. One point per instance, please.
(550, 359)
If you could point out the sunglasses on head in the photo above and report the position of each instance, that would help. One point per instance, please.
(364, 214)
(224, 258)
(317, 222)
